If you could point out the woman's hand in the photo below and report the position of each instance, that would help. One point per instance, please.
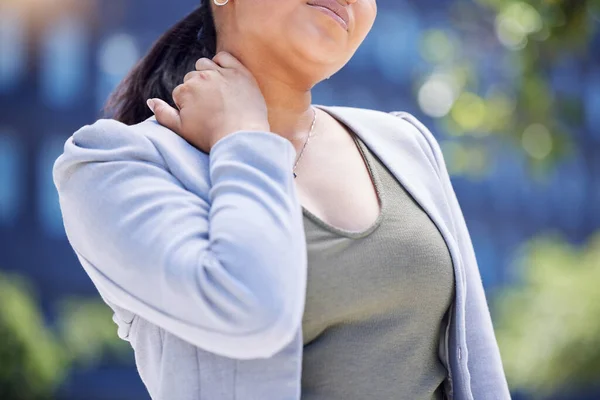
(219, 98)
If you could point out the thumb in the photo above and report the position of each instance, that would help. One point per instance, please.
(166, 115)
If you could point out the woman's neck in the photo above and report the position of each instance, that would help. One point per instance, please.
(290, 112)
(288, 97)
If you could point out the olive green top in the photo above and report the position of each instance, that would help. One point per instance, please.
(376, 301)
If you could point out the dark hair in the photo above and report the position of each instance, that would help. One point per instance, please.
(162, 69)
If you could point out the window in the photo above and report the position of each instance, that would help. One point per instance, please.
(48, 207)
(12, 48)
(116, 56)
(11, 178)
(64, 56)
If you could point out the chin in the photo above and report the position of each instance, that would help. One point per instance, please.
(324, 48)
(327, 59)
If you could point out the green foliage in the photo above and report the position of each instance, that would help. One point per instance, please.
(35, 359)
(527, 39)
(548, 327)
(31, 361)
(88, 333)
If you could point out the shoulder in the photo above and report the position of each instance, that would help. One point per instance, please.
(401, 121)
(148, 143)
(396, 125)
(412, 123)
(102, 142)
(362, 115)
(111, 140)
(111, 134)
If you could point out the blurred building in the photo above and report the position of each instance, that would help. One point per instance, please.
(60, 60)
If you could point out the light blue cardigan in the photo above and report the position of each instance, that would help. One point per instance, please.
(203, 259)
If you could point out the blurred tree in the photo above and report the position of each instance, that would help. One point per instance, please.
(88, 332)
(548, 327)
(35, 359)
(494, 73)
(31, 361)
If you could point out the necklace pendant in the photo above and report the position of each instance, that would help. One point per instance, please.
(295, 176)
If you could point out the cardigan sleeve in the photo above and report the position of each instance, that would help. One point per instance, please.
(488, 380)
(223, 270)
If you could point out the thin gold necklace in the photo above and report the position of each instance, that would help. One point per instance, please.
(310, 133)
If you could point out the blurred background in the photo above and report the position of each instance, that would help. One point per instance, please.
(510, 88)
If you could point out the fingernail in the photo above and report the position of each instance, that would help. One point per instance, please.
(150, 104)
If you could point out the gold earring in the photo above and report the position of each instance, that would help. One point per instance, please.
(221, 2)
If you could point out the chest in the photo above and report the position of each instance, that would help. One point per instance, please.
(398, 268)
(335, 184)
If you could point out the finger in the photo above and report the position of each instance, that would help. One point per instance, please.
(227, 60)
(198, 74)
(178, 93)
(166, 115)
(206, 63)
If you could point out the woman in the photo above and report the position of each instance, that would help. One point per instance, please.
(253, 246)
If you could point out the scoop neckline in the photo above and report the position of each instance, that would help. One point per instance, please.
(375, 179)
